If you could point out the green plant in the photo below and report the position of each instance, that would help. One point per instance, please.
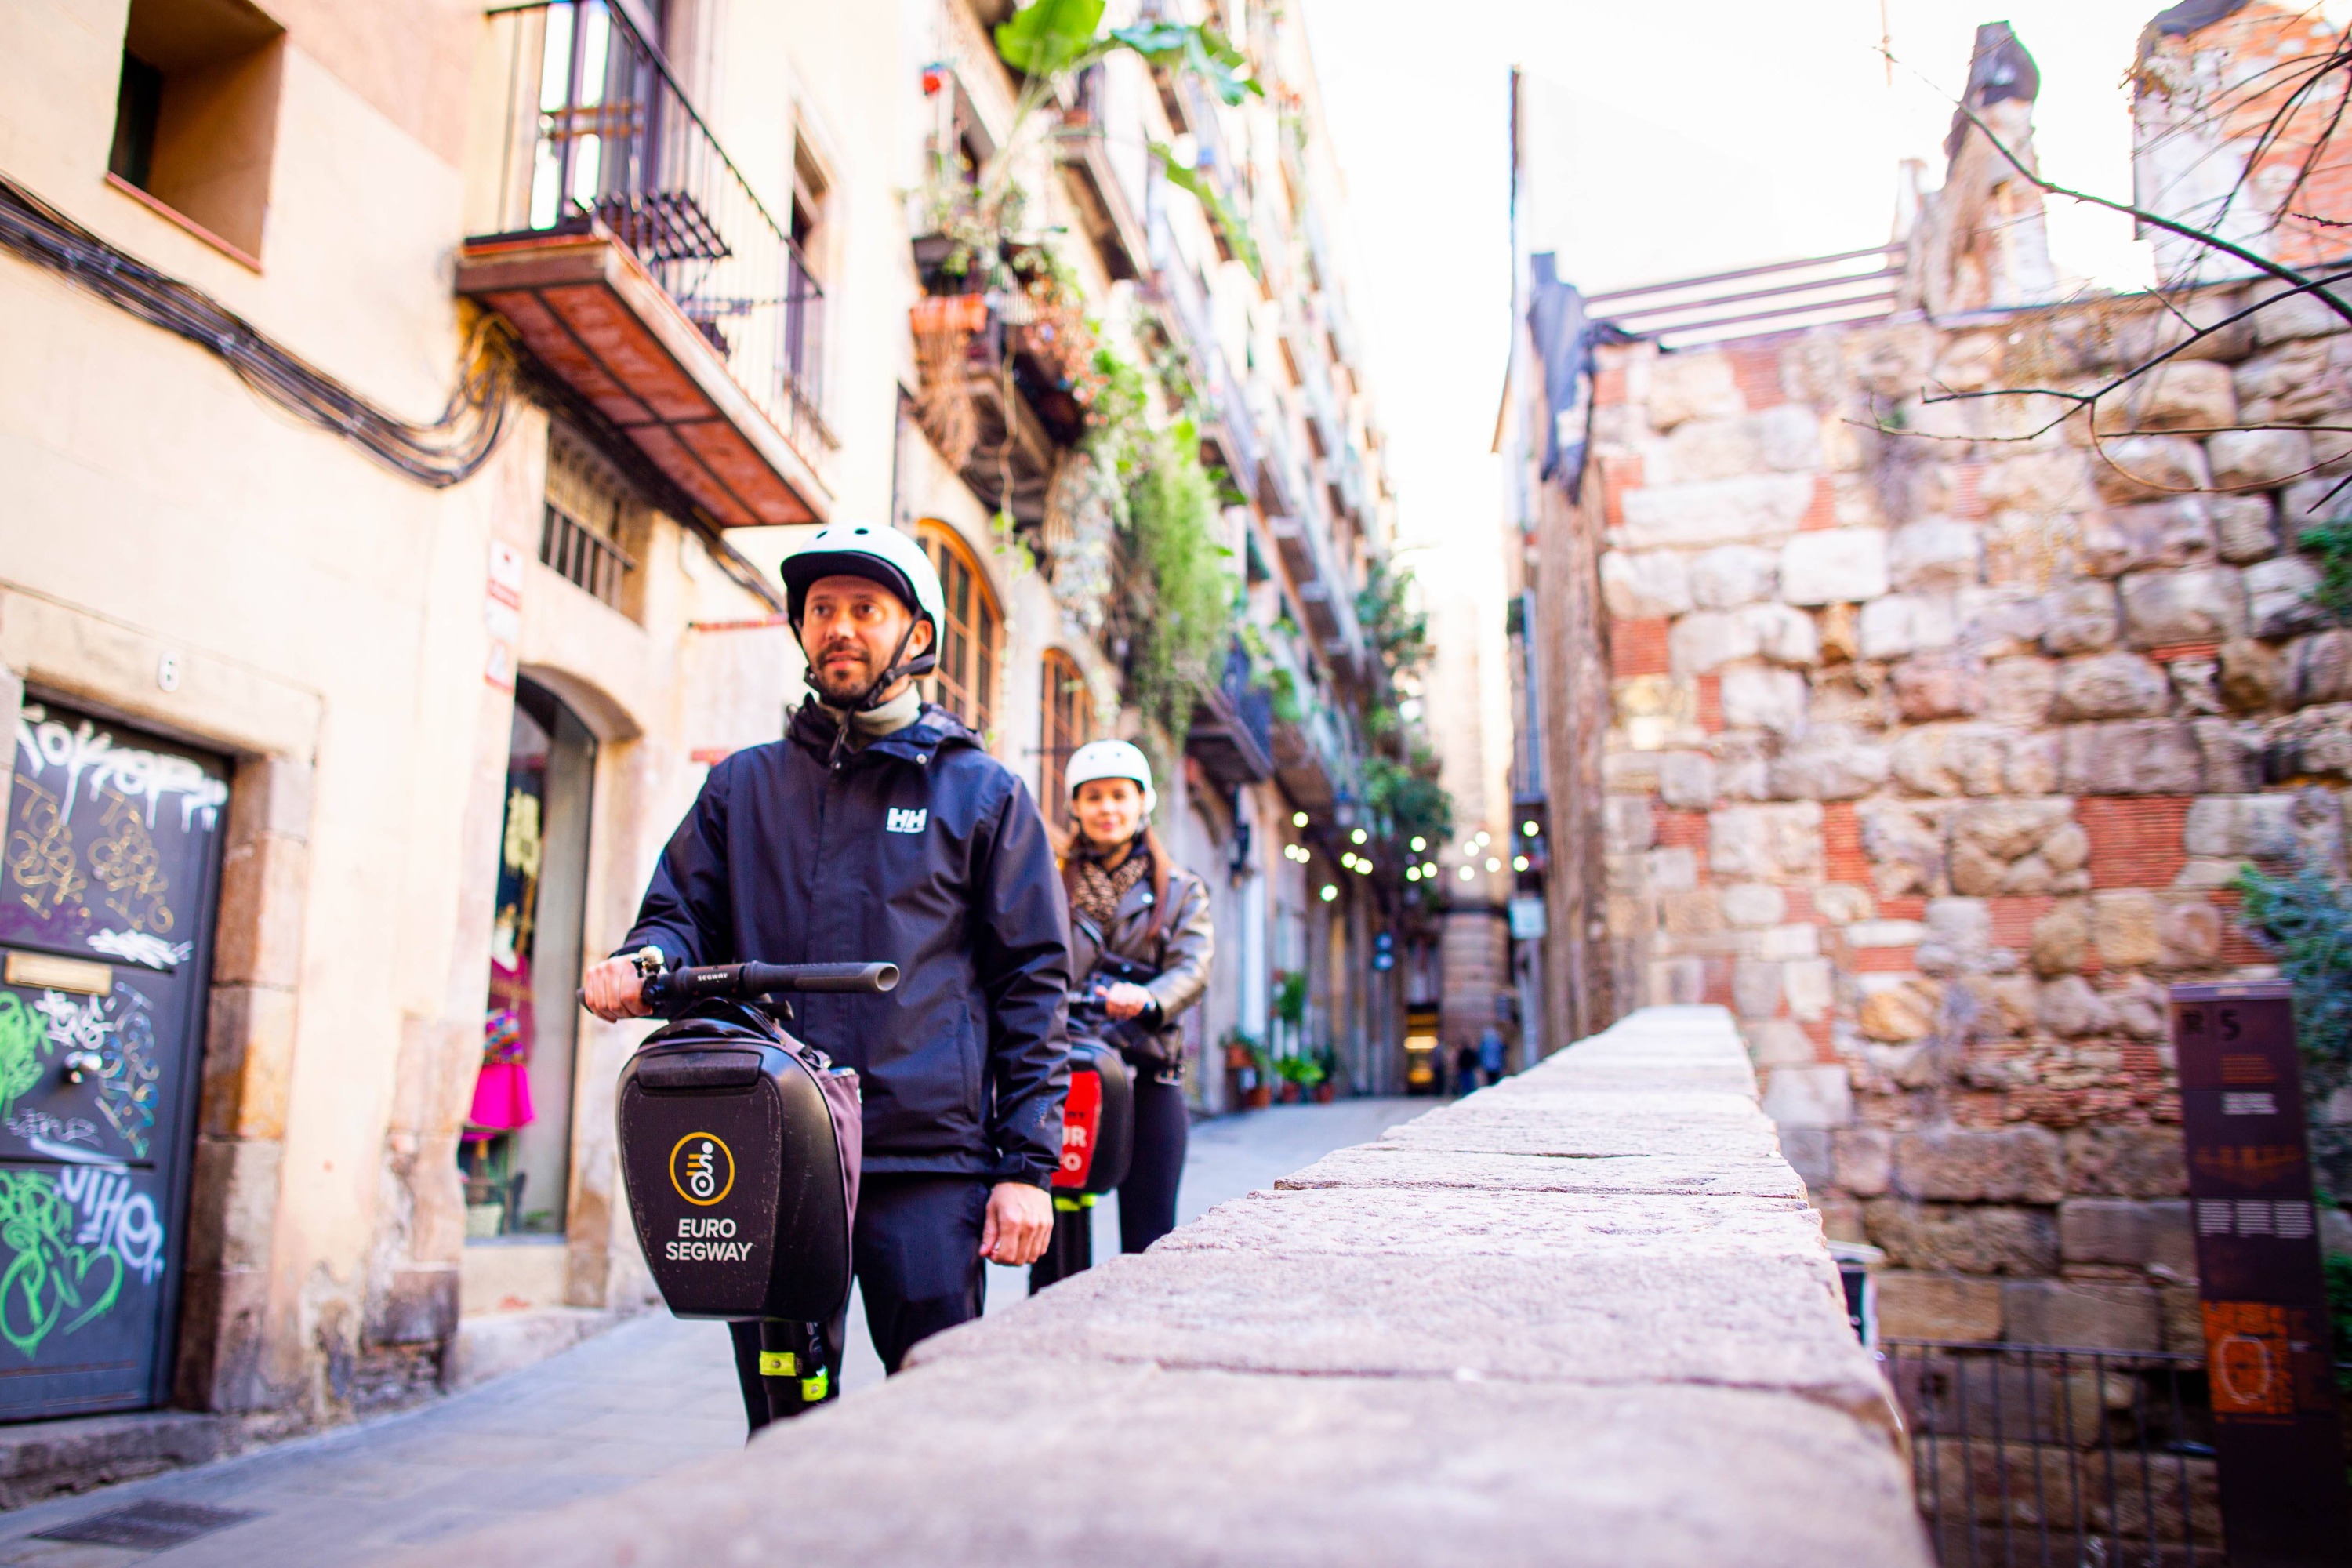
(1396, 630)
(2306, 916)
(1290, 996)
(1303, 1070)
(2339, 1311)
(2332, 543)
(1179, 587)
(1184, 177)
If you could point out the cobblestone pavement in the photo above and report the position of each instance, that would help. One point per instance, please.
(646, 1397)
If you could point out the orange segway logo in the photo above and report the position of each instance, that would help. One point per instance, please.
(702, 1169)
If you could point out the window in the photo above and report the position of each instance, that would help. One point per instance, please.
(196, 116)
(965, 683)
(589, 520)
(804, 293)
(1068, 707)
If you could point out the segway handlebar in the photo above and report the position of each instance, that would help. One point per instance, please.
(673, 988)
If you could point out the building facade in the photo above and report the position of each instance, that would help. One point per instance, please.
(1925, 719)
(344, 728)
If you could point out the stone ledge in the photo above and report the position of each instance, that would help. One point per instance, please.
(1438, 1348)
(50, 1459)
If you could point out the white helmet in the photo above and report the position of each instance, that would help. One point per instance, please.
(1113, 759)
(881, 555)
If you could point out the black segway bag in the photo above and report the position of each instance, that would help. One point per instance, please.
(1097, 1119)
(740, 1149)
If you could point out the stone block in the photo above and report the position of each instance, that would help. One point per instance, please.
(1959, 759)
(2121, 1231)
(2287, 384)
(1807, 986)
(1773, 699)
(2008, 828)
(1628, 823)
(2125, 1162)
(1862, 1160)
(2020, 691)
(258, 940)
(1765, 843)
(2082, 1315)
(1897, 1016)
(1683, 387)
(1807, 1150)
(1643, 584)
(248, 1062)
(1687, 779)
(2070, 1009)
(1964, 1164)
(2162, 608)
(1782, 635)
(1835, 565)
(2254, 675)
(1905, 848)
(1818, 1095)
(2110, 686)
(2151, 467)
(2178, 394)
(1901, 624)
(2195, 684)
(2147, 536)
(2039, 483)
(1829, 763)
(1706, 641)
(1755, 988)
(2283, 314)
(1752, 904)
(1935, 554)
(1941, 685)
(2124, 925)
(1673, 870)
(2279, 600)
(1944, 1307)
(2257, 460)
(2245, 527)
(2001, 620)
(1693, 913)
(1716, 511)
(2144, 756)
(1969, 1239)
(1731, 576)
(2082, 617)
(2321, 666)
(2309, 502)
(1776, 1042)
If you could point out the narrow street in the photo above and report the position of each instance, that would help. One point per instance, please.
(648, 1397)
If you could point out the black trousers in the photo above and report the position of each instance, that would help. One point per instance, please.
(916, 1250)
(1147, 1199)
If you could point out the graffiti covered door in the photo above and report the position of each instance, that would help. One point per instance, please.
(106, 895)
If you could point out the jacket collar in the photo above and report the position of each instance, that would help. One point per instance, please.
(934, 730)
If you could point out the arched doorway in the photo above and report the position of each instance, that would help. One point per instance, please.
(516, 1150)
(971, 643)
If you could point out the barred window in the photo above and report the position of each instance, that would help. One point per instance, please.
(590, 519)
(971, 643)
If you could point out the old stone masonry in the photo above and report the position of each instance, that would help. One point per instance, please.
(1934, 750)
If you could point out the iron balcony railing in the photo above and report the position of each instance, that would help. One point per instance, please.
(602, 139)
(2035, 1455)
(1848, 288)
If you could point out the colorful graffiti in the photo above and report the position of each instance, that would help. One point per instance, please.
(24, 1036)
(88, 752)
(120, 1030)
(56, 1282)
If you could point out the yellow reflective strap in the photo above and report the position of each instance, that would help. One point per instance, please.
(778, 1363)
(1072, 1205)
(813, 1388)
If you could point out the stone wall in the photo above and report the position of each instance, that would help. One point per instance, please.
(1936, 741)
(1583, 1317)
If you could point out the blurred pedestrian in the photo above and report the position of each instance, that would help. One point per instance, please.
(1490, 1054)
(1466, 1068)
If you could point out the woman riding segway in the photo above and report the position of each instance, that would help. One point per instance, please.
(1140, 942)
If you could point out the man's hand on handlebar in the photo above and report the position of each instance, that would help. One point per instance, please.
(613, 990)
(1123, 1001)
(1020, 1223)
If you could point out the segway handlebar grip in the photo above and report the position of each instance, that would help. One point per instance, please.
(760, 979)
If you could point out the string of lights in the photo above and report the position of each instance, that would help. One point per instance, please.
(440, 455)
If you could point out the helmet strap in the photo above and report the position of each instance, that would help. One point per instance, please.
(899, 668)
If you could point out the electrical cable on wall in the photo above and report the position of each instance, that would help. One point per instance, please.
(440, 455)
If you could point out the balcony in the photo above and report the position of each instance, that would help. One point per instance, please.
(1175, 291)
(1233, 726)
(1082, 147)
(642, 272)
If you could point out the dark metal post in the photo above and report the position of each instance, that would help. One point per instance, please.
(2278, 1432)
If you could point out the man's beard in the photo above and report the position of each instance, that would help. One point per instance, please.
(842, 683)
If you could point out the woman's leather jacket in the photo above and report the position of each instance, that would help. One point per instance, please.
(1179, 954)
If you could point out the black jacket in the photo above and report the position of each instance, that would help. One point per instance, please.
(1179, 954)
(920, 850)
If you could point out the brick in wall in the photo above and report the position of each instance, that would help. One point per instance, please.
(1841, 857)
(1638, 647)
(2136, 840)
(1680, 829)
(1822, 510)
(1756, 371)
(1710, 704)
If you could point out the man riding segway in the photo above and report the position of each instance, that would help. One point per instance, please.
(880, 829)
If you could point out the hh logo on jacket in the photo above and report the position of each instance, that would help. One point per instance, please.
(908, 821)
